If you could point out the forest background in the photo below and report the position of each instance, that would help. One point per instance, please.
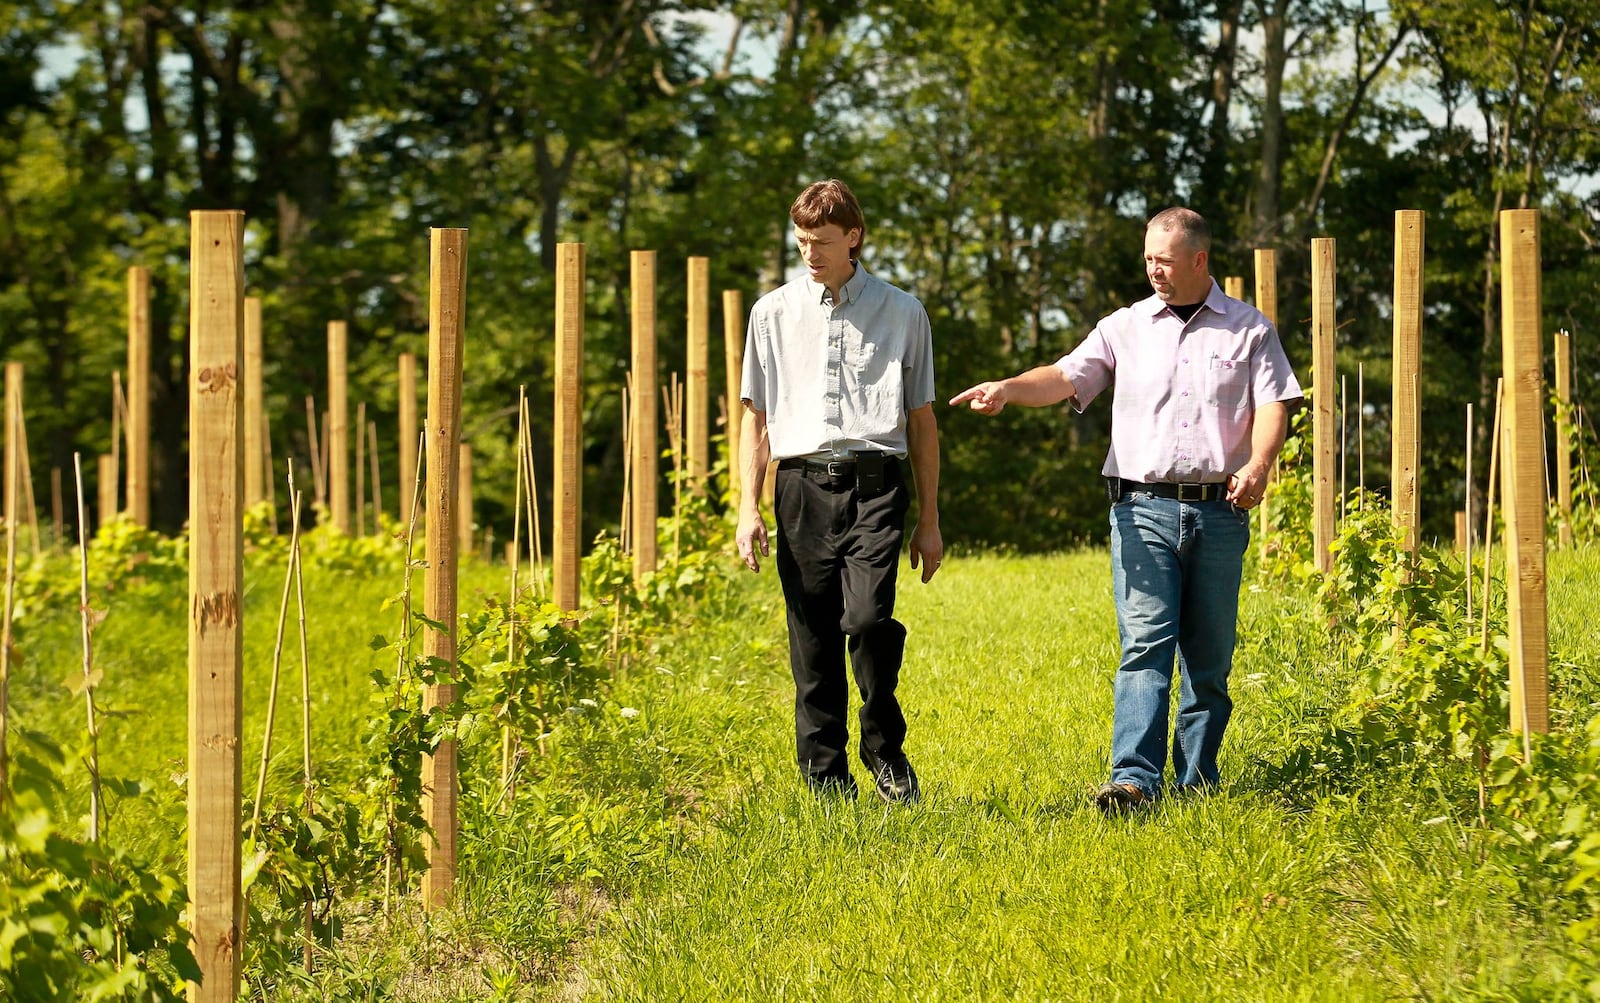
(1007, 153)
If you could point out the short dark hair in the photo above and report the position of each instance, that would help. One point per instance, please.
(1196, 233)
(830, 201)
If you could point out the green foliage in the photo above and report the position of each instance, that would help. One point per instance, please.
(80, 920)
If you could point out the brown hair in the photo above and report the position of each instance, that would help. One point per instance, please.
(1196, 233)
(830, 201)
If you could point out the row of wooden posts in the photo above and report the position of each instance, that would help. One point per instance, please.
(229, 441)
(1518, 444)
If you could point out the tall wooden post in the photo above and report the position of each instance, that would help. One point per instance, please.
(138, 426)
(1324, 323)
(1564, 439)
(216, 582)
(106, 470)
(695, 394)
(464, 500)
(567, 534)
(1233, 286)
(13, 489)
(645, 448)
(1406, 439)
(733, 367)
(338, 458)
(408, 434)
(255, 489)
(1522, 470)
(1266, 262)
(447, 304)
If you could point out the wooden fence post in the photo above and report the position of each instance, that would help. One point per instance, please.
(1324, 324)
(255, 488)
(1522, 470)
(567, 534)
(733, 366)
(1233, 286)
(408, 434)
(1564, 439)
(106, 471)
(447, 302)
(138, 424)
(1266, 264)
(695, 391)
(216, 582)
(13, 478)
(645, 438)
(338, 426)
(1406, 440)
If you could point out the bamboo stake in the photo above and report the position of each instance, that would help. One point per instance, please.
(119, 411)
(277, 656)
(672, 399)
(1344, 444)
(1563, 350)
(535, 530)
(216, 308)
(446, 308)
(392, 848)
(1467, 513)
(96, 803)
(1488, 507)
(309, 781)
(515, 559)
(1361, 433)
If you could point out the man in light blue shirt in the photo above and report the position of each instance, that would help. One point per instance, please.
(838, 387)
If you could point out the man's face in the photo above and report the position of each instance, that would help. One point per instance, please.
(1177, 272)
(826, 253)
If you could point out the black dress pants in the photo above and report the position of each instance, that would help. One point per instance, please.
(838, 557)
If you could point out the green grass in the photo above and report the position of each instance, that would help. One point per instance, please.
(661, 846)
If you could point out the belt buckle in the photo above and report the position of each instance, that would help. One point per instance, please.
(1191, 492)
(839, 468)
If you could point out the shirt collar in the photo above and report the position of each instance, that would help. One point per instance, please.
(1215, 300)
(848, 293)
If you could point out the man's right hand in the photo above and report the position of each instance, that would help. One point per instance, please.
(985, 398)
(752, 535)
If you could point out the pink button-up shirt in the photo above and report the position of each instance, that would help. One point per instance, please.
(1186, 393)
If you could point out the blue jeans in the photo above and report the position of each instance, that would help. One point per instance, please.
(1175, 567)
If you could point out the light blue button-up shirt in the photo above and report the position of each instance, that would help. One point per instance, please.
(837, 377)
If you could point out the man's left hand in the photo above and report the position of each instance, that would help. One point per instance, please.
(927, 549)
(1246, 487)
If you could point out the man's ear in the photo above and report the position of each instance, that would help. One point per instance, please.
(854, 237)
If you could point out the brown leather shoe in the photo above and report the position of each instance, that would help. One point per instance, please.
(1119, 799)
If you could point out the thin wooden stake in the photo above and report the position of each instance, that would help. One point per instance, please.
(277, 657)
(377, 485)
(566, 533)
(1488, 507)
(57, 515)
(13, 406)
(1266, 268)
(1467, 514)
(138, 402)
(338, 425)
(308, 778)
(695, 391)
(96, 803)
(733, 372)
(1324, 324)
(361, 468)
(319, 478)
(1563, 350)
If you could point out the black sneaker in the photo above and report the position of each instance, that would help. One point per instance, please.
(894, 778)
(823, 786)
(1119, 799)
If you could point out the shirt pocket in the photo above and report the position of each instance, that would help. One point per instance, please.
(1228, 383)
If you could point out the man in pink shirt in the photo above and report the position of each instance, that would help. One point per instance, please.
(1198, 417)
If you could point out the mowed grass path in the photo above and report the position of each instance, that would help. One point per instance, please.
(1006, 883)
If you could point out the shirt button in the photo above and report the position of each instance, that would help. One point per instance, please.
(1186, 425)
(1186, 393)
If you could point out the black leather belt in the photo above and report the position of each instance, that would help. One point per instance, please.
(830, 468)
(1187, 492)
